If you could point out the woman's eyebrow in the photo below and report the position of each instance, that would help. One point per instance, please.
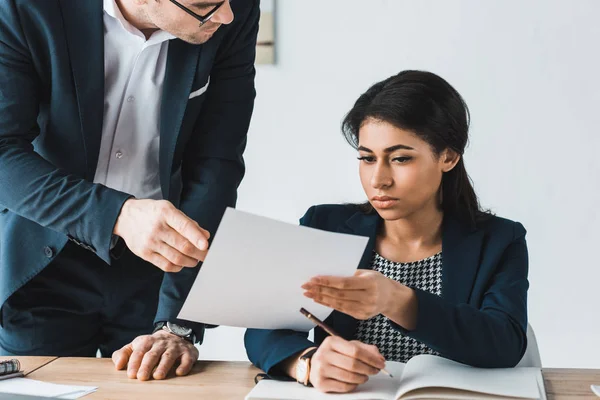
(387, 150)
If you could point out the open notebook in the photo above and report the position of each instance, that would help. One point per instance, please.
(423, 377)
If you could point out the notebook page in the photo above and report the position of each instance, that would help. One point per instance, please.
(452, 394)
(379, 387)
(432, 371)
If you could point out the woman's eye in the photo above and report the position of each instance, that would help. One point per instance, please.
(402, 160)
(367, 159)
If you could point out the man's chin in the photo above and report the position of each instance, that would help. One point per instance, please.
(200, 39)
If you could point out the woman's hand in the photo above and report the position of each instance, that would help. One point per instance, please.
(339, 366)
(365, 295)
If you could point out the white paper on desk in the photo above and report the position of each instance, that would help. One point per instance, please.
(32, 387)
(254, 270)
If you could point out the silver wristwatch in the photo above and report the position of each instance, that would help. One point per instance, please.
(177, 330)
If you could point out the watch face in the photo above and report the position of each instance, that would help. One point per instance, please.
(179, 330)
(301, 370)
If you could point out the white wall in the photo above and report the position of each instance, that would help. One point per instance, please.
(529, 72)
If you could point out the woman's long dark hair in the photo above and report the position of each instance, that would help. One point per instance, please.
(425, 104)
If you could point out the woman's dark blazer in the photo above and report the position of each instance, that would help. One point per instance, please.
(480, 318)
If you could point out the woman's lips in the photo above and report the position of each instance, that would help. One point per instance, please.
(383, 201)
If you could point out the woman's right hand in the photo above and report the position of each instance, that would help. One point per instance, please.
(339, 366)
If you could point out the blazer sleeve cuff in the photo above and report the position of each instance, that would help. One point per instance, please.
(429, 305)
(272, 367)
(268, 349)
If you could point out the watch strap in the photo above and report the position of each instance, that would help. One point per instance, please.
(161, 325)
(308, 354)
(307, 357)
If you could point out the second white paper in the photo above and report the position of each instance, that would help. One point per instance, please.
(254, 270)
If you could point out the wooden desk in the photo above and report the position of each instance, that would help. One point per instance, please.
(29, 364)
(232, 380)
(208, 380)
(570, 383)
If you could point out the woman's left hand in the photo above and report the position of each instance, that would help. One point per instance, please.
(362, 296)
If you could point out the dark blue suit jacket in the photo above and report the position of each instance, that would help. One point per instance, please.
(51, 112)
(481, 317)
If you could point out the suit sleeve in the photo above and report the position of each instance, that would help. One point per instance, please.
(213, 164)
(492, 335)
(31, 186)
(267, 348)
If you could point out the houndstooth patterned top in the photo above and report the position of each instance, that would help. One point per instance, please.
(425, 275)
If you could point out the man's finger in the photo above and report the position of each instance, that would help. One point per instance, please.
(134, 363)
(167, 360)
(187, 362)
(181, 244)
(148, 364)
(339, 282)
(174, 256)
(189, 229)
(164, 264)
(121, 357)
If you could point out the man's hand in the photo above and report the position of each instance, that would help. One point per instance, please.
(341, 366)
(159, 233)
(155, 355)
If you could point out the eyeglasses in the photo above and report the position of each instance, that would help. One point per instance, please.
(202, 18)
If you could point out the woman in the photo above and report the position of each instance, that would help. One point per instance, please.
(440, 276)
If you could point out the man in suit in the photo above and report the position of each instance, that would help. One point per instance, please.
(122, 128)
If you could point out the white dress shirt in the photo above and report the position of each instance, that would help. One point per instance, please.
(134, 72)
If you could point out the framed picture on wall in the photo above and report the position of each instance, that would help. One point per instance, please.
(265, 45)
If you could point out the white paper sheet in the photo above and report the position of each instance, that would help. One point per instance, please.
(254, 270)
(32, 387)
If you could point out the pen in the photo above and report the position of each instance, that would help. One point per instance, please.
(330, 331)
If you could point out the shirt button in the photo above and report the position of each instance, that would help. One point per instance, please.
(130, 99)
(119, 154)
(48, 252)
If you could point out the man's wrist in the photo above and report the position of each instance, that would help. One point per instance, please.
(178, 330)
(119, 222)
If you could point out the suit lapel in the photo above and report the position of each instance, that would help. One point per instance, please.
(182, 61)
(461, 249)
(84, 27)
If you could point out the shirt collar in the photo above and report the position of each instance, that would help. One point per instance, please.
(112, 9)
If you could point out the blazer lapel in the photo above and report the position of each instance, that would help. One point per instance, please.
(363, 225)
(84, 27)
(182, 62)
(461, 249)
